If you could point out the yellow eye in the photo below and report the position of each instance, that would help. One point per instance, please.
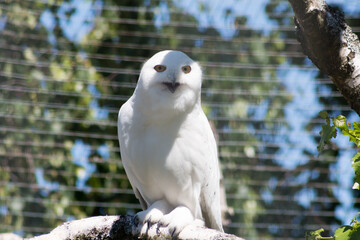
(160, 68)
(186, 69)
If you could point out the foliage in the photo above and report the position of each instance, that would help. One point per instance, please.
(346, 232)
(329, 131)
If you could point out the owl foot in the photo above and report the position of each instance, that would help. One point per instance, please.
(177, 220)
(151, 216)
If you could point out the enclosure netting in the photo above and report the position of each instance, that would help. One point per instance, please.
(66, 67)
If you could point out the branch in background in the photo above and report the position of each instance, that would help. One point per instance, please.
(331, 45)
(122, 227)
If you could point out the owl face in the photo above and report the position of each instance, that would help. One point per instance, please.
(170, 79)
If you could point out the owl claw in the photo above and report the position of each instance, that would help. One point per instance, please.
(173, 232)
(150, 217)
(177, 220)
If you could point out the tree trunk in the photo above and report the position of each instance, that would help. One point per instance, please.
(331, 45)
(121, 227)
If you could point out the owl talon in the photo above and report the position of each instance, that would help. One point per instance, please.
(173, 232)
(177, 220)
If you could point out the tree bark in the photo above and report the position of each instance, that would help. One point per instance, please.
(121, 227)
(331, 45)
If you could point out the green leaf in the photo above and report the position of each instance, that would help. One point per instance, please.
(347, 233)
(340, 122)
(356, 126)
(355, 234)
(327, 132)
(323, 114)
(356, 166)
(314, 235)
(343, 233)
(352, 135)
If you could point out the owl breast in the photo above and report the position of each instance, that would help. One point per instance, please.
(162, 159)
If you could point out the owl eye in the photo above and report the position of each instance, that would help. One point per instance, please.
(160, 68)
(186, 69)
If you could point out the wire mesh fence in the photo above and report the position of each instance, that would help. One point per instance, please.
(66, 67)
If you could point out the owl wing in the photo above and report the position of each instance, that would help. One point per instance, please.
(210, 192)
(133, 180)
(124, 124)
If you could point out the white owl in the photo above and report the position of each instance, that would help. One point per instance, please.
(167, 146)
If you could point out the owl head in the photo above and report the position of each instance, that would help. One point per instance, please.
(170, 80)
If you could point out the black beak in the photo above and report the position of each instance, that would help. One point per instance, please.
(172, 86)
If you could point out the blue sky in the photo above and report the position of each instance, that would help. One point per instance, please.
(80, 22)
(220, 15)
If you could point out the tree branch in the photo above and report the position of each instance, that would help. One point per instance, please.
(331, 45)
(122, 227)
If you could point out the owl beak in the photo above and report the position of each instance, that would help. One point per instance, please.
(172, 86)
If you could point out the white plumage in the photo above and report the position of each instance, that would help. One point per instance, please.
(167, 146)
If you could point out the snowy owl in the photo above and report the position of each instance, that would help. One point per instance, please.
(167, 146)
